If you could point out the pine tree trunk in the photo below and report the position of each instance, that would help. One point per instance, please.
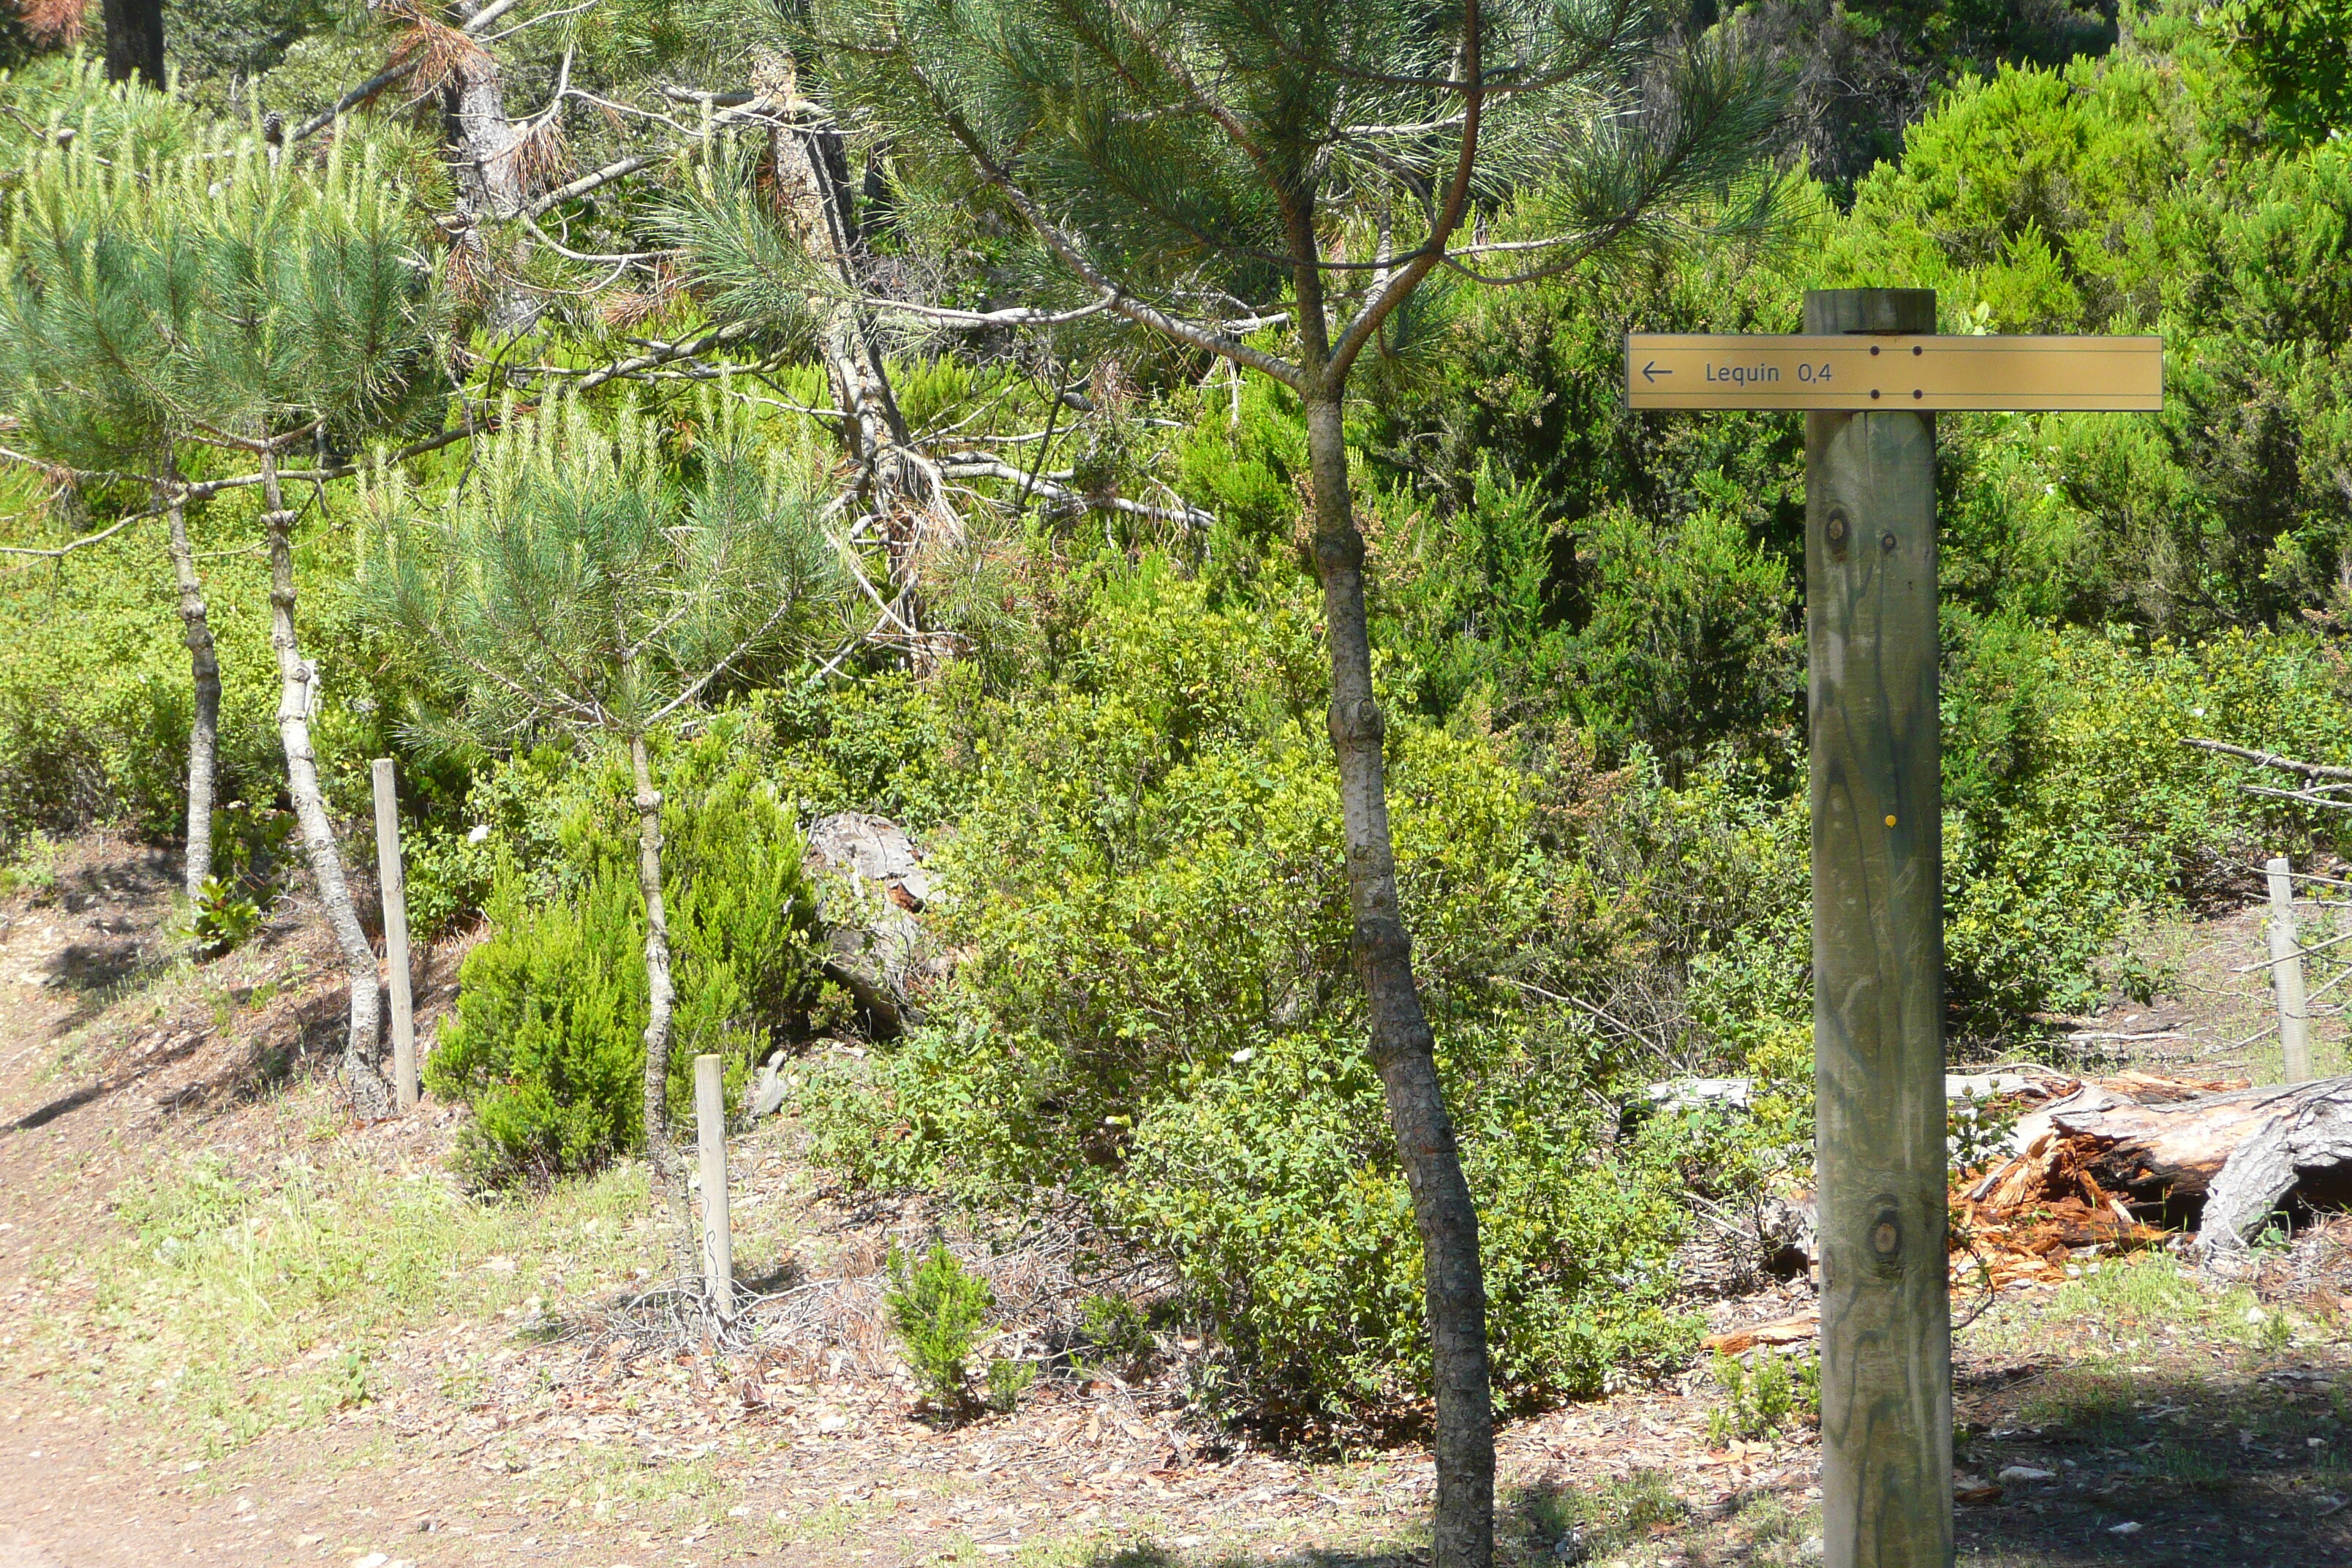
(811, 173)
(486, 170)
(361, 1071)
(668, 1177)
(1402, 1047)
(204, 730)
(134, 40)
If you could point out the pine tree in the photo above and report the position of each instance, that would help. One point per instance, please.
(252, 302)
(577, 591)
(1202, 168)
(99, 297)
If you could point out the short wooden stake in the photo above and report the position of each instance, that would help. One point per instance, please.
(1878, 964)
(2287, 975)
(718, 1240)
(394, 880)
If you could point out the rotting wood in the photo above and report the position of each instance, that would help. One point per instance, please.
(2304, 1144)
(2239, 1152)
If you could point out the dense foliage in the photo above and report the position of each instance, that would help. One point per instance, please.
(1083, 664)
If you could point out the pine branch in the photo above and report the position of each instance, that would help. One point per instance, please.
(1073, 255)
(1387, 296)
(389, 76)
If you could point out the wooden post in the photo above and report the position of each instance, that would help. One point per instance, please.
(2287, 975)
(394, 880)
(1878, 961)
(717, 1241)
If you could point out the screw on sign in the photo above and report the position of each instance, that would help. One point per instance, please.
(1870, 375)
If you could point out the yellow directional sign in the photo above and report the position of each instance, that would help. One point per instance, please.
(1689, 369)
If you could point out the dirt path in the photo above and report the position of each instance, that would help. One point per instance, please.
(495, 1408)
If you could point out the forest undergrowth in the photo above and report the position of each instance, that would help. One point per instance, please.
(691, 509)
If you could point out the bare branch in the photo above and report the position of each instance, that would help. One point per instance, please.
(979, 464)
(1073, 255)
(2269, 759)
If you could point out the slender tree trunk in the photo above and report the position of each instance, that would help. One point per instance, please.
(1402, 1047)
(661, 997)
(134, 40)
(361, 1069)
(203, 731)
(812, 173)
(486, 173)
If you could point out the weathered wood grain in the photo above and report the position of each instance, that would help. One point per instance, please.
(1877, 817)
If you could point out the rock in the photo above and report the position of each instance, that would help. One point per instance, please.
(1571, 1547)
(1690, 1093)
(873, 847)
(2014, 1473)
(2128, 1527)
(871, 884)
(768, 1095)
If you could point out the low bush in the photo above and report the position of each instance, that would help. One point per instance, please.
(547, 1044)
(1154, 1012)
(939, 1308)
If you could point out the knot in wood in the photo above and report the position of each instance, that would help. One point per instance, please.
(1340, 551)
(650, 801)
(1357, 724)
(275, 521)
(1886, 1237)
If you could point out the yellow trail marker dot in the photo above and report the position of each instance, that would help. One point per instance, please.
(1890, 821)
(1692, 370)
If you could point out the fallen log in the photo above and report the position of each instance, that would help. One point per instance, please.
(2235, 1154)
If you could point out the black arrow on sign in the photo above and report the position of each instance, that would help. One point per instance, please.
(1650, 372)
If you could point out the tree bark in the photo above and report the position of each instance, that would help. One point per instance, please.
(2306, 1143)
(668, 1176)
(134, 40)
(486, 169)
(361, 1071)
(203, 729)
(811, 175)
(1403, 1049)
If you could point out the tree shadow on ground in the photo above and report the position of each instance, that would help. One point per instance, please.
(2209, 1455)
(124, 953)
(2209, 1459)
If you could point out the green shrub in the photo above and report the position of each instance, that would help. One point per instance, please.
(1007, 1380)
(224, 917)
(1758, 1399)
(1117, 1336)
(939, 1309)
(547, 1044)
(1153, 1013)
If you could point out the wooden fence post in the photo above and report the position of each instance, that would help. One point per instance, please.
(718, 1240)
(1878, 961)
(393, 879)
(2287, 975)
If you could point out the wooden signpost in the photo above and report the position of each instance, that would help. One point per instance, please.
(1871, 373)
